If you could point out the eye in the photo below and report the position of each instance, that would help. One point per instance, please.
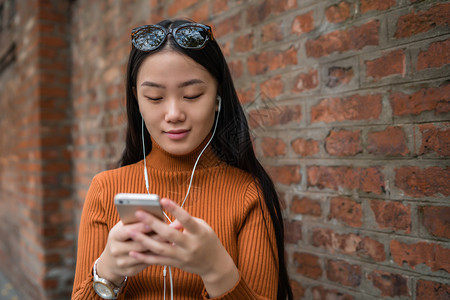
(193, 97)
(153, 99)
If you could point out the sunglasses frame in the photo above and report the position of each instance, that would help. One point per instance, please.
(172, 31)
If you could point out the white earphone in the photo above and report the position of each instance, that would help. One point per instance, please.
(219, 99)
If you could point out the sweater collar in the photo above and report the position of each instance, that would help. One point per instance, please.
(160, 159)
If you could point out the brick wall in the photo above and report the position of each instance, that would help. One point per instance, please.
(37, 233)
(348, 103)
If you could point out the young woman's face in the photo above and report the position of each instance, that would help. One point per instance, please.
(177, 99)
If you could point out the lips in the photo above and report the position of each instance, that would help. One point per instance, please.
(176, 134)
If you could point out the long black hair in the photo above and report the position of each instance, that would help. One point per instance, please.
(232, 142)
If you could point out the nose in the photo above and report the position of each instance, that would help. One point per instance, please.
(174, 112)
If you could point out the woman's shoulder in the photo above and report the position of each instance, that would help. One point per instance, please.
(242, 180)
(243, 175)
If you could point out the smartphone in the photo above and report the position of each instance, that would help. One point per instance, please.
(127, 204)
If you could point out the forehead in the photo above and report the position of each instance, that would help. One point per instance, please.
(170, 66)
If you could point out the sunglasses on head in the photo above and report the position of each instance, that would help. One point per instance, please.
(189, 36)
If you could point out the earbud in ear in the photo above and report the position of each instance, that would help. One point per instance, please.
(219, 100)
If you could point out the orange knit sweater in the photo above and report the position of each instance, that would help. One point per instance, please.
(225, 197)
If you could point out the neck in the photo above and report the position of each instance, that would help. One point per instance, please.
(159, 158)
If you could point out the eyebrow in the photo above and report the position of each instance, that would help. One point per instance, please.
(182, 85)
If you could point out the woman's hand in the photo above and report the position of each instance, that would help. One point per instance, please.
(195, 248)
(115, 262)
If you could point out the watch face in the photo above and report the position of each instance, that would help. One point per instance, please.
(103, 290)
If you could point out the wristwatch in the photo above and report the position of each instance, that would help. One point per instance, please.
(105, 288)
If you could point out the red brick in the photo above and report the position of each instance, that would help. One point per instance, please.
(293, 232)
(391, 141)
(298, 290)
(179, 5)
(305, 206)
(272, 32)
(273, 147)
(436, 56)
(56, 193)
(344, 273)
(59, 167)
(352, 108)
(390, 63)
(423, 21)
(52, 15)
(243, 43)
(303, 23)
(430, 290)
(201, 14)
(236, 68)
(50, 283)
(434, 139)
(344, 40)
(273, 87)
(338, 76)
(257, 13)
(273, 60)
(53, 91)
(346, 210)
(426, 99)
(285, 174)
(436, 219)
(368, 5)
(321, 293)
(390, 285)
(338, 13)
(48, 53)
(343, 143)
(370, 248)
(220, 6)
(392, 215)
(226, 48)
(282, 198)
(273, 116)
(227, 26)
(434, 256)
(417, 182)
(307, 265)
(369, 180)
(247, 95)
(54, 141)
(351, 244)
(58, 218)
(305, 147)
(113, 104)
(306, 81)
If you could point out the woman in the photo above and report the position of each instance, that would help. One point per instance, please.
(224, 233)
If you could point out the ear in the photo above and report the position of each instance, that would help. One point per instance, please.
(134, 92)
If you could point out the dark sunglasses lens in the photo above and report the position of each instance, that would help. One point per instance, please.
(148, 38)
(191, 37)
